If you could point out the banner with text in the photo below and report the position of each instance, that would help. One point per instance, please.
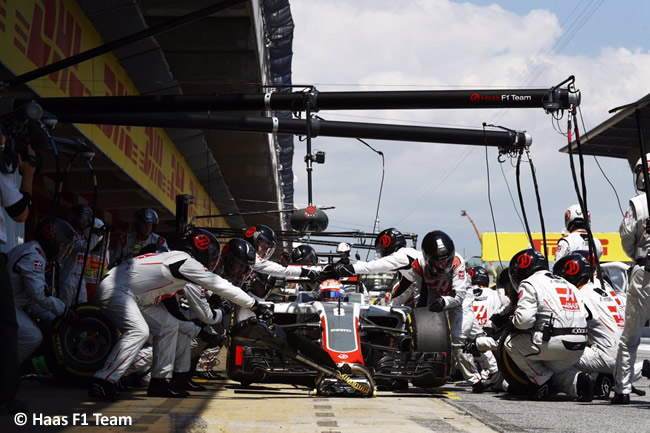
(512, 243)
(34, 33)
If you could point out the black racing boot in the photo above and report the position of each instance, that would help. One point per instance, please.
(158, 387)
(183, 381)
(620, 398)
(604, 386)
(101, 389)
(208, 375)
(645, 371)
(543, 392)
(638, 391)
(585, 387)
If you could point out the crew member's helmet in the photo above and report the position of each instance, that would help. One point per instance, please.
(388, 241)
(203, 246)
(331, 290)
(438, 251)
(574, 219)
(55, 236)
(81, 217)
(143, 217)
(304, 255)
(479, 276)
(575, 268)
(262, 238)
(524, 264)
(639, 179)
(237, 257)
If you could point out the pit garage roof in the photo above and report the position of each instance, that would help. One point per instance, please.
(618, 136)
(223, 52)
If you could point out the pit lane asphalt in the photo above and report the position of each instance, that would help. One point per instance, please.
(227, 407)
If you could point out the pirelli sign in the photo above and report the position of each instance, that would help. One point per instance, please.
(511, 243)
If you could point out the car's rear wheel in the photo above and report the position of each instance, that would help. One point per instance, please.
(430, 332)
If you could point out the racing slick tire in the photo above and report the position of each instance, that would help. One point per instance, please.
(430, 333)
(80, 348)
(518, 382)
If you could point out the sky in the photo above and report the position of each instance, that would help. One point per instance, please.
(345, 45)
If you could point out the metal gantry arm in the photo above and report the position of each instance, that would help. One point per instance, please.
(551, 99)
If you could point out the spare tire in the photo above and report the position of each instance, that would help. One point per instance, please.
(79, 349)
(518, 382)
(430, 332)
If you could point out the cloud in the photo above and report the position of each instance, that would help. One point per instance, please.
(425, 44)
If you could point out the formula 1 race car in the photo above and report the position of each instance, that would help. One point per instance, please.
(382, 345)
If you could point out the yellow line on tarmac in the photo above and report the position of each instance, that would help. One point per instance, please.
(451, 395)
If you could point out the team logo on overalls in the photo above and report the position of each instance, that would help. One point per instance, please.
(524, 261)
(572, 267)
(201, 242)
(385, 241)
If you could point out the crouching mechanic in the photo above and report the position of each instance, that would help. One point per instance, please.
(27, 264)
(130, 295)
(442, 283)
(605, 324)
(551, 329)
(262, 238)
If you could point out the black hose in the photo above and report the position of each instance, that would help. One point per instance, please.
(521, 199)
(539, 205)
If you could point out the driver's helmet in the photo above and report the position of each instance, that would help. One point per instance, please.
(304, 255)
(262, 238)
(388, 241)
(55, 236)
(438, 251)
(331, 290)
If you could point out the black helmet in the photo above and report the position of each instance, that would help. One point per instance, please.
(203, 246)
(438, 251)
(479, 276)
(388, 241)
(304, 255)
(524, 264)
(146, 216)
(81, 217)
(262, 238)
(575, 268)
(237, 256)
(55, 236)
(503, 279)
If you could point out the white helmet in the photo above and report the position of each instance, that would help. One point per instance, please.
(343, 247)
(638, 173)
(573, 217)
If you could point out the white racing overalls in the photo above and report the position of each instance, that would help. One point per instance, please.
(577, 240)
(452, 287)
(545, 299)
(141, 283)
(26, 264)
(636, 244)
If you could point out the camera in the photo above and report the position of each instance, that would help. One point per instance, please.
(20, 128)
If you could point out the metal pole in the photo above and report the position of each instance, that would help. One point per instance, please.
(308, 157)
(646, 177)
(510, 140)
(119, 43)
(551, 99)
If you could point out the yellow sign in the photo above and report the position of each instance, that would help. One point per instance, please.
(511, 243)
(34, 33)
